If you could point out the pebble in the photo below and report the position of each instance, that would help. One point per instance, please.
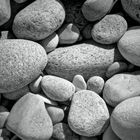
(61, 131)
(121, 87)
(94, 10)
(96, 84)
(86, 111)
(15, 95)
(28, 119)
(131, 7)
(56, 88)
(110, 135)
(86, 32)
(66, 62)
(34, 22)
(3, 116)
(50, 43)
(68, 34)
(35, 85)
(128, 46)
(125, 119)
(116, 67)
(6, 35)
(109, 29)
(21, 61)
(56, 113)
(5, 11)
(79, 82)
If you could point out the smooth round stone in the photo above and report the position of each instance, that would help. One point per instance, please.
(128, 46)
(68, 34)
(15, 95)
(110, 135)
(121, 87)
(3, 116)
(86, 111)
(115, 68)
(35, 85)
(50, 43)
(61, 131)
(131, 7)
(109, 29)
(87, 59)
(34, 22)
(56, 88)
(96, 84)
(125, 119)
(79, 82)
(5, 11)
(56, 113)
(95, 9)
(29, 119)
(21, 61)
(86, 32)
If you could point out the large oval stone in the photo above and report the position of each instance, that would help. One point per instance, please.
(86, 59)
(39, 19)
(21, 61)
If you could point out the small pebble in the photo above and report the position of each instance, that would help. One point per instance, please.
(15, 95)
(86, 32)
(109, 29)
(86, 111)
(61, 131)
(35, 86)
(110, 135)
(96, 84)
(68, 34)
(5, 11)
(56, 113)
(116, 67)
(50, 43)
(56, 88)
(79, 82)
(3, 116)
(95, 9)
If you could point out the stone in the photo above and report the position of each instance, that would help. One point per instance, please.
(116, 67)
(29, 119)
(61, 131)
(95, 9)
(6, 35)
(3, 116)
(86, 32)
(79, 82)
(87, 59)
(5, 11)
(56, 114)
(131, 7)
(21, 61)
(121, 87)
(56, 88)
(50, 43)
(68, 34)
(96, 84)
(88, 115)
(15, 95)
(110, 135)
(110, 29)
(39, 19)
(35, 86)
(125, 119)
(128, 46)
